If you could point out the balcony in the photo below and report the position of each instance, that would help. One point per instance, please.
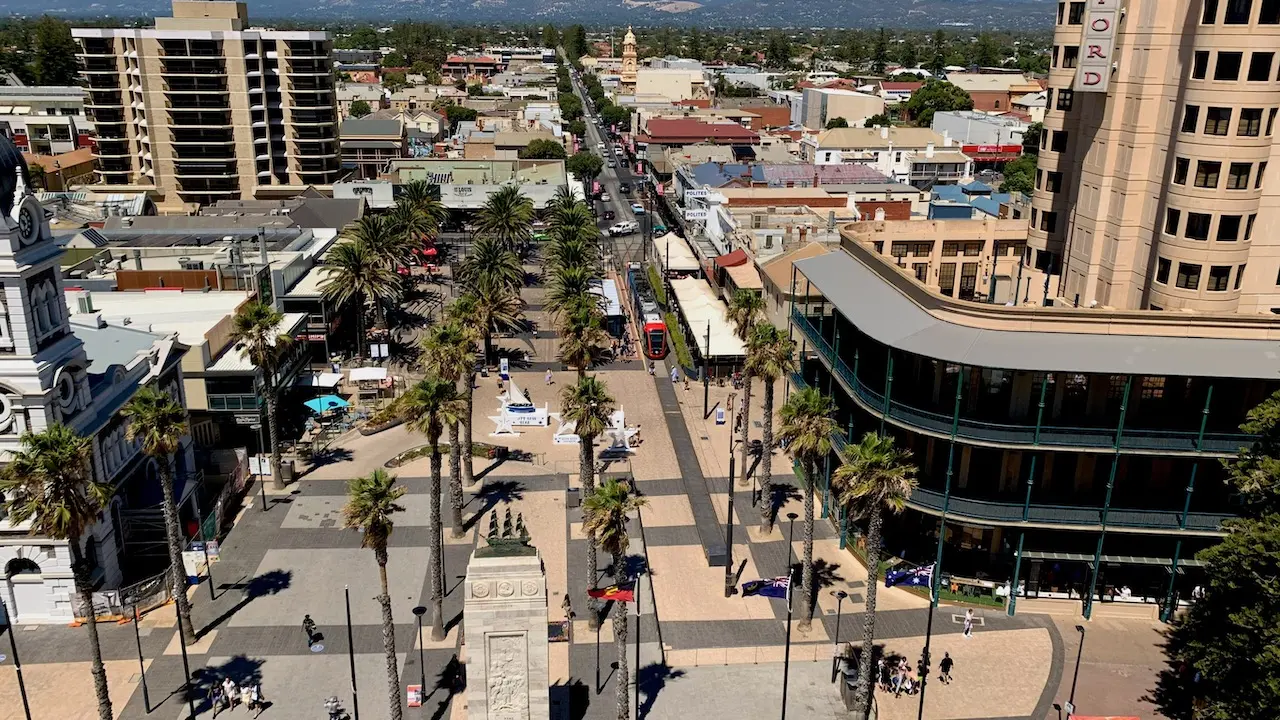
(99, 65)
(102, 81)
(977, 432)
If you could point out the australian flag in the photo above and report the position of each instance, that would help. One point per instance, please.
(776, 587)
(913, 577)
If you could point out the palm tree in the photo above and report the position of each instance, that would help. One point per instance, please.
(371, 501)
(770, 355)
(744, 310)
(353, 270)
(507, 216)
(490, 262)
(412, 224)
(447, 353)
(878, 477)
(426, 198)
(573, 252)
(428, 407)
(589, 405)
(567, 286)
(48, 483)
(495, 307)
(562, 201)
(574, 223)
(159, 423)
(463, 313)
(256, 329)
(381, 234)
(604, 515)
(807, 425)
(583, 338)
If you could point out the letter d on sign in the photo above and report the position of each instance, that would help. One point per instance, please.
(1091, 78)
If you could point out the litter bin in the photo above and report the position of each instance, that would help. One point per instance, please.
(572, 497)
(286, 471)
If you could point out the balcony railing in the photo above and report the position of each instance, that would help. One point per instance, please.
(1133, 440)
(988, 512)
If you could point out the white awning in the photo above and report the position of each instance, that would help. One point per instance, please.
(682, 258)
(326, 380)
(367, 373)
(707, 314)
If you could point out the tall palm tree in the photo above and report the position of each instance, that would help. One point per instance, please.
(412, 224)
(353, 270)
(491, 262)
(426, 198)
(428, 407)
(159, 423)
(496, 306)
(48, 483)
(745, 308)
(807, 425)
(447, 353)
(878, 477)
(567, 286)
(574, 223)
(588, 404)
(463, 313)
(371, 503)
(573, 252)
(256, 329)
(382, 235)
(507, 216)
(561, 201)
(604, 515)
(583, 338)
(770, 355)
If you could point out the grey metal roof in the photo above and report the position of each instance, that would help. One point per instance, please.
(890, 317)
(371, 126)
(112, 344)
(370, 144)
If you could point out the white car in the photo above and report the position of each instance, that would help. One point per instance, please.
(611, 163)
(624, 228)
(600, 146)
(604, 197)
(637, 208)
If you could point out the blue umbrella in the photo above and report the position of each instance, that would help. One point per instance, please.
(325, 403)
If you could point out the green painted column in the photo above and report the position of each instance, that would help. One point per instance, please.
(946, 494)
(888, 388)
(844, 527)
(1106, 503)
(1167, 612)
(1026, 502)
(826, 487)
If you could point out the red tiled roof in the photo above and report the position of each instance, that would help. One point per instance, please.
(667, 130)
(473, 60)
(695, 102)
(900, 86)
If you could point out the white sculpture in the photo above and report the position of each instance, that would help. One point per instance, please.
(517, 410)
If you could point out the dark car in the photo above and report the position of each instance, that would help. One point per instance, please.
(624, 188)
(610, 216)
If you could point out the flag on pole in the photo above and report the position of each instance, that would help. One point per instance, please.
(622, 592)
(912, 577)
(775, 587)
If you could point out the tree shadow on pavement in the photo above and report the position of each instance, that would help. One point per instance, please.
(272, 582)
(650, 680)
(500, 491)
(569, 700)
(824, 576)
(1175, 688)
(452, 680)
(242, 670)
(782, 493)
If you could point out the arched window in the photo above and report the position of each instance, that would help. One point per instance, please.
(21, 566)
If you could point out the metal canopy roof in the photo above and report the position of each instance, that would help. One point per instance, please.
(890, 317)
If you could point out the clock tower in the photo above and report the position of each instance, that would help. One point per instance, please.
(629, 71)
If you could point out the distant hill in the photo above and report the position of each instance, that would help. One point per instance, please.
(979, 14)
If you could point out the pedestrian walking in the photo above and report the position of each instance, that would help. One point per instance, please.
(215, 697)
(652, 368)
(945, 666)
(882, 675)
(968, 623)
(548, 376)
(309, 627)
(675, 374)
(231, 692)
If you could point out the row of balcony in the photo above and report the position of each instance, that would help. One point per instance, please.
(978, 432)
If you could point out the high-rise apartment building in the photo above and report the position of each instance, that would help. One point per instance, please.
(1152, 190)
(203, 107)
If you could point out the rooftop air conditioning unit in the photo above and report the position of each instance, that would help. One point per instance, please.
(84, 304)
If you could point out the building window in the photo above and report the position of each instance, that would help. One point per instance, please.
(1162, 271)
(947, 278)
(1228, 67)
(1180, 167)
(1248, 226)
(1039, 177)
(972, 249)
(1217, 121)
(1049, 221)
(1070, 55)
(1152, 388)
(1250, 122)
(1198, 226)
(1262, 168)
(1270, 14)
(1188, 276)
(898, 249)
(1059, 141)
(1054, 183)
(1062, 7)
(1228, 228)
(1172, 218)
(921, 270)
(1238, 176)
(1190, 118)
(1065, 99)
(1200, 65)
(1219, 277)
(1207, 172)
(1210, 13)
(1055, 56)
(1260, 66)
(1239, 276)
(1076, 15)
(1238, 12)
(950, 249)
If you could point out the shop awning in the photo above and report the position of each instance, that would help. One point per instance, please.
(367, 373)
(733, 259)
(325, 380)
(1112, 559)
(745, 277)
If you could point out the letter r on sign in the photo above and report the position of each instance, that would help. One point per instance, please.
(1095, 51)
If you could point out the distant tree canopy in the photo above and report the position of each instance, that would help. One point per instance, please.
(614, 115)
(542, 149)
(934, 96)
(394, 59)
(570, 107)
(55, 53)
(837, 122)
(585, 164)
(1019, 175)
(880, 120)
(458, 114)
(360, 108)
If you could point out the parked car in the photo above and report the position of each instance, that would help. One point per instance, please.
(624, 228)
(659, 228)
(624, 188)
(637, 208)
(604, 197)
(611, 163)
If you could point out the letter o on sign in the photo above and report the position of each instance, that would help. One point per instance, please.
(1101, 24)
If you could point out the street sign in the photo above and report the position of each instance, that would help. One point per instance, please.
(250, 419)
(1070, 708)
(414, 698)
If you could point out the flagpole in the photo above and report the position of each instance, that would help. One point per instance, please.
(637, 670)
(928, 636)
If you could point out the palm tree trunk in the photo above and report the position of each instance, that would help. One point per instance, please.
(437, 544)
(455, 481)
(806, 612)
(174, 542)
(79, 570)
(620, 641)
(862, 695)
(360, 332)
(766, 501)
(488, 341)
(766, 459)
(468, 398)
(587, 476)
(388, 636)
(273, 430)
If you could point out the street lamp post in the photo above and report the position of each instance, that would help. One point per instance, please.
(17, 664)
(729, 588)
(186, 667)
(786, 656)
(422, 662)
(142, 668)
(351, 657)
(835, 660)
(1071, 701)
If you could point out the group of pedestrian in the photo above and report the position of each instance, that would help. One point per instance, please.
(900, 678)
(226, 695)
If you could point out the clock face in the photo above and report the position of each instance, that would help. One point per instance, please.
(28, 225)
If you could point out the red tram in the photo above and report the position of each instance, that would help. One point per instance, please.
(653, 337)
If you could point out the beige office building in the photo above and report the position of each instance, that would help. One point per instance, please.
(1152, 190)
(203, 108)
